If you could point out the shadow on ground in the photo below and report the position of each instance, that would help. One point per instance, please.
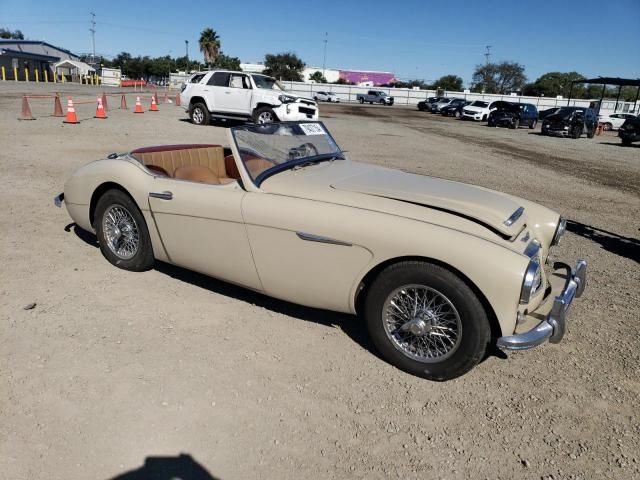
(182, 467)
(623, 246)
(619, 144)
(215, 122)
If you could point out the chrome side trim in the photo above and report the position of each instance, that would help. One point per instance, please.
(317, 238)
(514, 217)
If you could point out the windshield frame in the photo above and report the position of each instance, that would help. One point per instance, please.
(289, 164)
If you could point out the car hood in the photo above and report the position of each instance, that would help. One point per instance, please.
(475, 109)
(397, 192)
(557, 118)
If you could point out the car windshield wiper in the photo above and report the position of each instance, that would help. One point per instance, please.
(327, 157)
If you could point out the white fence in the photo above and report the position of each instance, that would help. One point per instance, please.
(404, 96)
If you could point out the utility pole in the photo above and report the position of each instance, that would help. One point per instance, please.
(186, 43)
(93, 37)
(487, 55)
(324, 56)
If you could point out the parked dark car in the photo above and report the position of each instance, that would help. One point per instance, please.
(454, 109)
(630, 131)
(542, 114)
(513, 115)
(425, 105)
(571, 122)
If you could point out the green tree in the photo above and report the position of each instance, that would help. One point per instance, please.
(226, 62)
(343, 81)
(317, 77)
(8, 34)
(553, 84)
(284, 66)
(452, 83)
(209, 45)
(504, 77)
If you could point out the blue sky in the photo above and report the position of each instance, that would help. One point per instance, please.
(414, 39)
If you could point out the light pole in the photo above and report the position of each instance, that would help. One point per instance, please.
(186, 42)
(324, 55)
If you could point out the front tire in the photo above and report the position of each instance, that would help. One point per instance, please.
(122, 232)
(576, 132)
(426, 321)
(199, 114)
(533, 124)
(264, 115)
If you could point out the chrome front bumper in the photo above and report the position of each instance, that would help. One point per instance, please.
(552, 328)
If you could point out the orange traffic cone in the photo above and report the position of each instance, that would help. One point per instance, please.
(104, 102)
(100, 113)
(154, 104)
(71, 113)
(138, 108)
(123, 102)
(57, 107)
(26, 109)
(177, 100)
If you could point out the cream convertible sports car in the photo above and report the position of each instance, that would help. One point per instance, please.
(439, 270)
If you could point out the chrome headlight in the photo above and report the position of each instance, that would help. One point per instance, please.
(560, 229)
(532, 281)
(287, 98)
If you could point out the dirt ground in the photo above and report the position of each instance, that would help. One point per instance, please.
(113, 370)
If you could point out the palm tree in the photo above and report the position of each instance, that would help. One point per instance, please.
(209, 45)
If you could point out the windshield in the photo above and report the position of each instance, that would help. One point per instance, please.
(567, 112)
(267, 83)
(273, 147)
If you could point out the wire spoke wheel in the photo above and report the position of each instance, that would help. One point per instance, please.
(121, 232)
(422, 323)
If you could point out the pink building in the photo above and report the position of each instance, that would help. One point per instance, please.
(378, 78)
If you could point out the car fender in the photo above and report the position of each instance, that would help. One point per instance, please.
(124, 173)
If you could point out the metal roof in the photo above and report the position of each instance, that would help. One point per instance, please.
(34, 42)
(34, 56)
(611, 81)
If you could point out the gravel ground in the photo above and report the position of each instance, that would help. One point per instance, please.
(111, 368)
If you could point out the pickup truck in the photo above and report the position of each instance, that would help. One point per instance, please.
(242, 96)
(375, 96)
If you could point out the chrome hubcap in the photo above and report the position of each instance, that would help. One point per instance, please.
(121, 232)
(265, 117)
(422, 323)
(198, 115)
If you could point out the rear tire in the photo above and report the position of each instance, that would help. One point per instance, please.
(199, 114)
(361, 100)
(515, 124)
(456, 114)
(122, 232)
(425, 320)
(533, 124)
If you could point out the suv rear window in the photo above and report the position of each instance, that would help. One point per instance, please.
(197, 78)
(219, 79)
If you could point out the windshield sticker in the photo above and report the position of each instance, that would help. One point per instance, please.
(312, 129)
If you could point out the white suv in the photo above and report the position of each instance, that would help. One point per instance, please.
(238, 95)
(478, 110)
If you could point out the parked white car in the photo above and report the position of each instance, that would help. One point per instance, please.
(614, 121)
(243, 96)
(326, 97)
(478, 110)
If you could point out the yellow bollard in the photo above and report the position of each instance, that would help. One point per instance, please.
(36, 71)
(15, 73)
(63, 79)
(55, 77)
(46, 76)
(26, 74)
(4, 75)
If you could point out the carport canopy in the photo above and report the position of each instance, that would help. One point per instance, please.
(80, 67)
(604, 81)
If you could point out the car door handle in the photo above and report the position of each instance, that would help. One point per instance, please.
(161, 195)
